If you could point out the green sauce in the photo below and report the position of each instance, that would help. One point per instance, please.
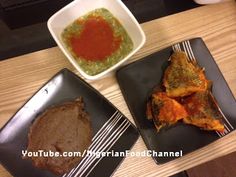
(94, 67)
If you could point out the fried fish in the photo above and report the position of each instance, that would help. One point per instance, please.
(203, 111)
(186, 97)
(182, 78)
(164, 111)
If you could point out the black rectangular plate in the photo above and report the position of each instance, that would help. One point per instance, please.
(64, 86)
(137, 80)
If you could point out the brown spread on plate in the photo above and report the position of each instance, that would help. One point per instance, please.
(62, 128)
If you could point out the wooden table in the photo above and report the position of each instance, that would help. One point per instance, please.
(20, 77)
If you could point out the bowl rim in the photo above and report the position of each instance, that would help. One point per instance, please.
(72, 59)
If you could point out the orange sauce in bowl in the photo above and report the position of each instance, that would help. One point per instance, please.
(96, 41)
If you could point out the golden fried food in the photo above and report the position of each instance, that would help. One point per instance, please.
(182, 78)
(164, 111)
(203, 111)
(186, 97)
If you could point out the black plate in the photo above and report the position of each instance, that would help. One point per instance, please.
(62, 87)
(137, 80)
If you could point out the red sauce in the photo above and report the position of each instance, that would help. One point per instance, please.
(96, 41)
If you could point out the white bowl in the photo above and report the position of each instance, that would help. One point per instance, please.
(61, 19)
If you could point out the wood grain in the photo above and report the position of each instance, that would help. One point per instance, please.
(22, 76)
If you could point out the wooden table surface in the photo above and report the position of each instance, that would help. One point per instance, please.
(22, 76)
